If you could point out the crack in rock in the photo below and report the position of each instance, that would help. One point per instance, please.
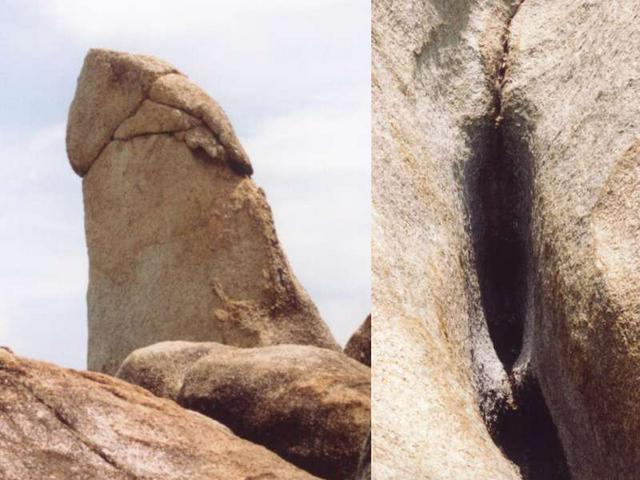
(499, 183)
(113, 95)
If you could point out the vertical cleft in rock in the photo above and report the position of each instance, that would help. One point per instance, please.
(499, 198)
(429, 336)
(498, 194)
(529, 438)
(500, 216)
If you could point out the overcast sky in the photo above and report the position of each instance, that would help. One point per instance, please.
(293, 76)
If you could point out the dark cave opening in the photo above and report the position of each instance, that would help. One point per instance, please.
(498, 195)
(528, 437)
(499, 205)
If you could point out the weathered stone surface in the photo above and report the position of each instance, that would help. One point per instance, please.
(309, 405)
(359, 345)
(177, 91)
(111, 87)
(434, 367)
(154, 117)
(161, 368)
(181, 246)
(572, 109)
(63, 424)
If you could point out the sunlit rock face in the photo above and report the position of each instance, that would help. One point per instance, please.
(435, 372)
(181, 241)
(506, 191)
(310, 405)
(60, 423)
(571, 101)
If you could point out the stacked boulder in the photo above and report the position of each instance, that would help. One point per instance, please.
(309, 405)
(67, 425)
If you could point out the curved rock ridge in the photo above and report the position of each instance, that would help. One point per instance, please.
(571, 107)
(153, 117)
(181, 247)
(359, 345)
(309, 405)
(114, 86)
(63, 424)
(436, 376)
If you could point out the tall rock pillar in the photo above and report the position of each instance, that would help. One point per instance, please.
(181, 241)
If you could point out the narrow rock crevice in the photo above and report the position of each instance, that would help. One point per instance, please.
(498, 182)
(150, 134)
(502, 67)
(528, 437)
(498, 186)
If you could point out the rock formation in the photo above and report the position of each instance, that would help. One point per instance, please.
(571, 112)
(161, 368)
(309, 405)
(359, 345)
(63, 424)
(181, 242)
(506, 195)
(435, 372)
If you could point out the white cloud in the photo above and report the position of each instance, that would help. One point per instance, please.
(256, 58)
(311, 142)
(168, 21)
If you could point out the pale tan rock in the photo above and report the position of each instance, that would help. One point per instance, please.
(309, 405)
(178, 91)
(434, 369)
(63, 424)
(571, 105)
(161, 367)
(153, 117)
(111, 87)
(181, 247)
(359, 345)
(199, 137)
